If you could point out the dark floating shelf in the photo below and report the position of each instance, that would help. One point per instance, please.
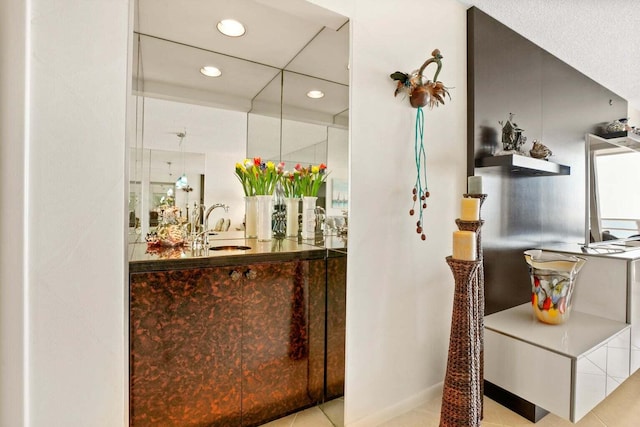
(524, 165)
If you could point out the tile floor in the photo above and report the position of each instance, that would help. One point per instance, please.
(620, 409)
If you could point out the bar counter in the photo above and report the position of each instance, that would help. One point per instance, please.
(143, 257)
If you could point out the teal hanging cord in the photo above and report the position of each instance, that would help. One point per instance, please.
(420, 189)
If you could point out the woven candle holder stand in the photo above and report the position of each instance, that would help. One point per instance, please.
(476, 227)
(481, 303)
(461, 398)
(480, 257)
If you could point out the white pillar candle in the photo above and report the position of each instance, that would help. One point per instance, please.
(470, 209)
(464, 245)
(474, 185)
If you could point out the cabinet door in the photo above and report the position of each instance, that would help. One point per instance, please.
(618, 351)
(185, 348)
(336, 324)
(590, 381)
(283, 338)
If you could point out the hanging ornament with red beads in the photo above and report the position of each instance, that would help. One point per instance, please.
(421, 188)
(421, 93)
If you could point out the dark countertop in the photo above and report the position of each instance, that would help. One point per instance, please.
(142, 258)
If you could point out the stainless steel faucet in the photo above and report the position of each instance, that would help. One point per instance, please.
(197, 217)
(206, 220)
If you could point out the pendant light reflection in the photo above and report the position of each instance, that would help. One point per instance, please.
(182, 182)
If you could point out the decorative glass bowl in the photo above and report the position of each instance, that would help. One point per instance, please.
(553, 277)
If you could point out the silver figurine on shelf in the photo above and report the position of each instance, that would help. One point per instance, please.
(512, 138)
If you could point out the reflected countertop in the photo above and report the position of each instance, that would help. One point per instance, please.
(608, 250)
(143, 257)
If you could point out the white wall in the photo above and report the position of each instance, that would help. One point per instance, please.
(399, 291)
(13, 123)
(399, 288)
(75, 183)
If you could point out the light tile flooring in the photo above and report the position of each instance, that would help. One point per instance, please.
(620, 409)
(329, 414)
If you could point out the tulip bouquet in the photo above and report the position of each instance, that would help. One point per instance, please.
(291, 183)
(258, 177)
(310, 179)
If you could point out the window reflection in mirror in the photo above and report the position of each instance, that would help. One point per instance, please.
(613, 204)
(617, 172)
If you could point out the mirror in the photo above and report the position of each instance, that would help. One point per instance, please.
(165, 168)
(613, 202)
(257, 107)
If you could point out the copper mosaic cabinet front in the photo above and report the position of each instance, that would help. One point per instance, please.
(336, 323)
(226, 346)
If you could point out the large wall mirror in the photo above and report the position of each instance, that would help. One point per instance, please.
(613, 214)
(187, 123)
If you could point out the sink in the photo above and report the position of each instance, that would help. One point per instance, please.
(230, 248)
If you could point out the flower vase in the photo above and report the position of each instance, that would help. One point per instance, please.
(251, 217)
(309, 217)
(292, 206)
(265, 212)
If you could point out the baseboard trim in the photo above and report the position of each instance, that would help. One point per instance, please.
(399, 408)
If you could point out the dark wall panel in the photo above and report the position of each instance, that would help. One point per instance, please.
(553, 103)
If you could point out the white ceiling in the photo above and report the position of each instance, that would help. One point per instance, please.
(599, 38)
(176, 38)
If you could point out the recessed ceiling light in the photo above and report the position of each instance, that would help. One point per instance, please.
(211, 71)
(231, 28)
(315, 94)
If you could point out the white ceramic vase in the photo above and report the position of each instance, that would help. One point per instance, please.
(292, 206)
(250, 217)
(265, 216)
(309, 217)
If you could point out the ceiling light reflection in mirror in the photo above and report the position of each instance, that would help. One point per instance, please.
(210, 71)
(315, 94)
(231, 28)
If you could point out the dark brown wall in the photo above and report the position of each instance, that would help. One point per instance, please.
(553, 103)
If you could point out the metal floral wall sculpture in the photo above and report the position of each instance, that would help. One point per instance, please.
(421, 93)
